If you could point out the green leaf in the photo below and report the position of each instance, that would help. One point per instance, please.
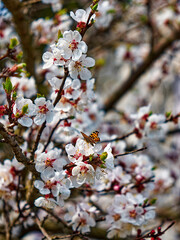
(25, 109)
(153, 201)
(40, 95)
(62, 11)
(168, 114)
(13, 43)
(14, 95)
(59, 34)
(103, 156)
(19, 56)
(150, 113)
(102, 166)
(146, 201)
(94, 7)
(90, 157)
(8, 86)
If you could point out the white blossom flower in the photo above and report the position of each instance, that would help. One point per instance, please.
(54, 186)
(80, 219)
(51, 160)
(81, 173)
(81, 16)
(44, 111)
(72, 88)
(23, 110)
(72, 45)
(54, 57)
(79, 68)
(46, 202)
(75, 154)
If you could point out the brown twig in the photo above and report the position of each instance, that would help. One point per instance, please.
(37, 140)
(52, 132)
(118, 138)
(42, 229)
(55, 216)
(127, 153)
(158, 234)
(58, 97)
(11, 140)
(4, 56)
(30, 2)
(88, 25)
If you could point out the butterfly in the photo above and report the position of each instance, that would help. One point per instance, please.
(92, 138)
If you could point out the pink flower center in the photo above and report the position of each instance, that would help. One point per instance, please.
(153, 125)
(132, 214)
(81, 25)
(49, 162)
(43, 109)
(77, 155)
(84, 169)
(83, 222)
(73, 45)
(78, 65)
(50, 184)
(69, 90)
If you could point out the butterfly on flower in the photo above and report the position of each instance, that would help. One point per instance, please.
(92, 138)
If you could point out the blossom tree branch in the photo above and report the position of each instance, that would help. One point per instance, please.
(10, 139)
(134, 77)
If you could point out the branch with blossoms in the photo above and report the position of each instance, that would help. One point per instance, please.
(153, 234)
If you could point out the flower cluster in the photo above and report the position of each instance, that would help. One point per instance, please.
(81, 217)
(88, 162)
(70, 51)
(129, 209)
(24, 110)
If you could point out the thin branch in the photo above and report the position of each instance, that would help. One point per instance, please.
(66, 72)
(17, 197)
(37, 140)
(42, 229)
(30, 2)
(154, 236)
(55, 216)
(52, 132)
(134, 77)
(118, 138)
(4, 56)
(58, 97)
(88, 24)
(11, 140)
(127, 153)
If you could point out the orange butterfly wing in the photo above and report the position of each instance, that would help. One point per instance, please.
(92, 139)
